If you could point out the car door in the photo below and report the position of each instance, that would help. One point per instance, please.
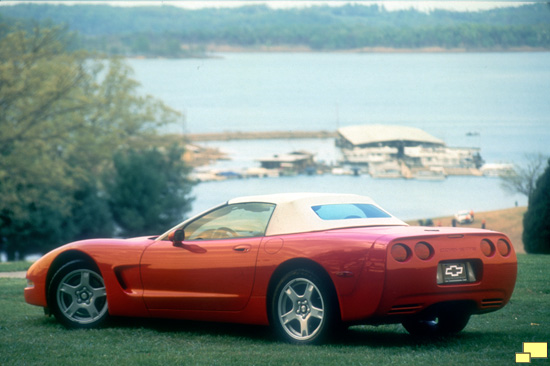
(213, 267)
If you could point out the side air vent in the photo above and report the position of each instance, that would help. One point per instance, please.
(405, 309)
(490, 303)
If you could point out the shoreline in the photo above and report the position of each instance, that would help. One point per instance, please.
(214, 51)
(259, 135)
(216, 48)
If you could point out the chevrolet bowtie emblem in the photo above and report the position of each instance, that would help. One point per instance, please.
(454, 270)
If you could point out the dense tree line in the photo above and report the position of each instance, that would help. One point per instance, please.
(71, 125)
(532, 179)
(536, 222)
(162, 30)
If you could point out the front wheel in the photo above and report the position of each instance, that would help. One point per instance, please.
(77, 294)
(302, 308)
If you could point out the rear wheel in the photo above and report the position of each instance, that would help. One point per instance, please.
(77, 295)
(302, 308)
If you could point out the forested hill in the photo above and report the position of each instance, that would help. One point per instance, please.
(171, 31)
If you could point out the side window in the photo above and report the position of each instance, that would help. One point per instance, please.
(242, 220)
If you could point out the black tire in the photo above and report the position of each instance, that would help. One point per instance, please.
(77, 296)
(303, 308)
(442, 324)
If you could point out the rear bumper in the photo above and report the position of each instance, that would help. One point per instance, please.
(390, 289)
(492, 288)
(411, 291)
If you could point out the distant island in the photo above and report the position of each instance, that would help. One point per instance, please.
(172, 32)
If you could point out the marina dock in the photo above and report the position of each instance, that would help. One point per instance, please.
(383, 152)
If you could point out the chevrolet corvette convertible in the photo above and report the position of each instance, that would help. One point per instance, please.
(301, 263)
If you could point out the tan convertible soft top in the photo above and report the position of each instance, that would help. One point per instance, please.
(294, 212)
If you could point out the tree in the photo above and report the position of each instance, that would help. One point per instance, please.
(159, 30)
(536, 222)
(148, 190)
(62, 114)
(522, 178)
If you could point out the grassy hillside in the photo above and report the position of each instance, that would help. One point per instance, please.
(508, 221)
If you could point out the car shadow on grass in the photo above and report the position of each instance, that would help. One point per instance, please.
(395, 336)
(384, 336)
(194, 328)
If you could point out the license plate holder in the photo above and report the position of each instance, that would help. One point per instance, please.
(455, 272)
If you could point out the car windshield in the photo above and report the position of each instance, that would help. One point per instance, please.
(231, 221)
(349, 211)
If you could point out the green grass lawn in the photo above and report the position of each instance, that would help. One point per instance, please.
(14, 266)
(29, 338)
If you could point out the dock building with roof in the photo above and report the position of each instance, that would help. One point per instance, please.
(401, 151)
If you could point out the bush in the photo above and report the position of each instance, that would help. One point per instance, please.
(148, 190)
(536, 222)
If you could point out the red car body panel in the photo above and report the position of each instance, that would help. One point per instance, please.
(229, 280)
(216, 275)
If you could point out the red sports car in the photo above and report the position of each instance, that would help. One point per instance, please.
(301, 263)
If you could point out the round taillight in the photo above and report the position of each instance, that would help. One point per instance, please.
(423, 250)
(400, 252)
(487, 247)
(503, 247)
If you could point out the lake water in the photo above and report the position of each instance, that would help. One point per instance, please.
(504, 97)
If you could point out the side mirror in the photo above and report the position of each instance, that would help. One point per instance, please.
(178, 237)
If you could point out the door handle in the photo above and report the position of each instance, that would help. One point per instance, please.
(242, 248)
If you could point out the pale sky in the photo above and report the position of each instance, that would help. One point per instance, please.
(471, 5)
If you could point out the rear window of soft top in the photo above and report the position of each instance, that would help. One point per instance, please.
(348, 211)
